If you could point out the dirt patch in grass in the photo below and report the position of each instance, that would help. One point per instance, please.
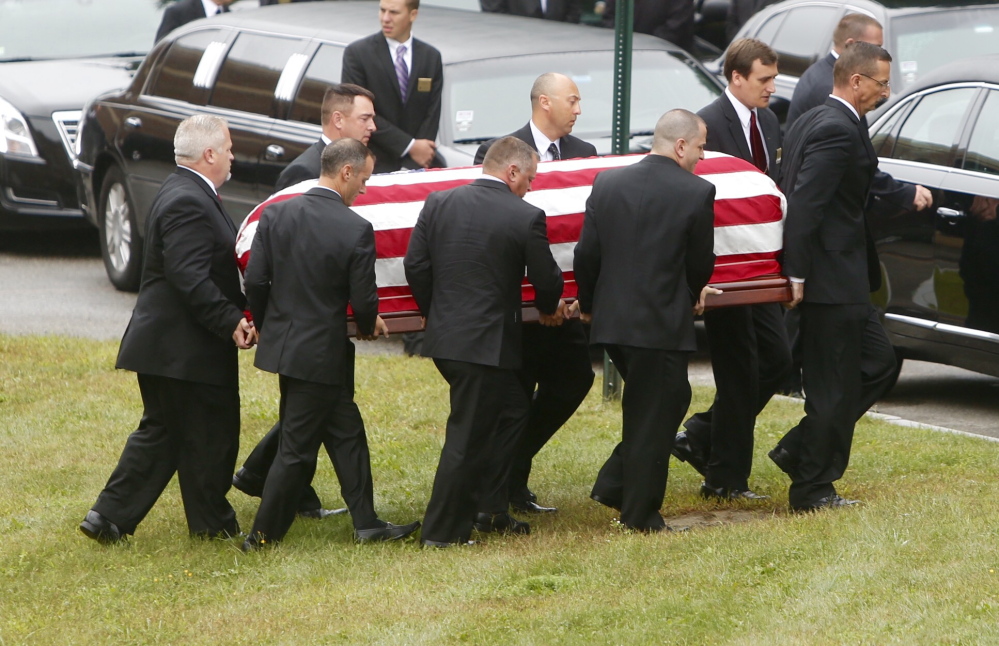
(718, 517)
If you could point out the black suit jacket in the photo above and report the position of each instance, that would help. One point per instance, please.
(645, 252)
(563, 10)
(181, 13)
(310, 256)
(308, 165)
(828, 167)
(367, 63)
(725, 133)
(465, 265)
(671, 20)
(189, 301)
(569, 147)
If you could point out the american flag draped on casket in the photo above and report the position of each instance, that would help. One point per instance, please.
(749, 222)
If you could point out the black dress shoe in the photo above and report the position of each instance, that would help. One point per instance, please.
(784, 461)
(321, 513)
(531, 507)
(725, 493)
(100, 529)
(683, 452)
(441, 544)
(388, 533)
(829, 502)
(248, 482)
(500, 523)
(606, 502)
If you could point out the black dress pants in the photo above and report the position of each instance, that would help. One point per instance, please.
(187, 428)
(350, 445)
(487, 405)
(655, 399)
(750, 359)
(847, 365)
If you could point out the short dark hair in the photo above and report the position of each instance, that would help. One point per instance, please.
(340, 98)
(741, 54)
(343, 152)
(858, 58)
(412, 4)
(852, 25)
(506, 151)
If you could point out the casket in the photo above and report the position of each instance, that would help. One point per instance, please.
(749, 224)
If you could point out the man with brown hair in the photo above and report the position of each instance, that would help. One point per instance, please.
(348, 110)
(750, 353)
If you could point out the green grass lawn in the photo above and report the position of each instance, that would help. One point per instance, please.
(917, 563)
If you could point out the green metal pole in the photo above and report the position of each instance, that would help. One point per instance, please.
(624, 18)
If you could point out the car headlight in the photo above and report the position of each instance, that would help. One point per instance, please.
(15, 137)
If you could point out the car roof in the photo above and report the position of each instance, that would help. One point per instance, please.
(979, 68)
(459, 35)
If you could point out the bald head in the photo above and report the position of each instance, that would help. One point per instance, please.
(555, 104)
(680, 135)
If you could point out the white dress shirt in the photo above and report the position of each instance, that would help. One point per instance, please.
(744, 115)
(542, 143)
(211, 8)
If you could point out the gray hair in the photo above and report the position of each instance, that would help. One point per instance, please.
(674, 125)
(507, 151)
(343, 152)
(196, 134)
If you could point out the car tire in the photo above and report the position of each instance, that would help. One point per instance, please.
(121, 245)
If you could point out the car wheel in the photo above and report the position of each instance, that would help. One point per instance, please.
(121, 245)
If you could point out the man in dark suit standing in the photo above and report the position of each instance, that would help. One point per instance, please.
(406, 76)
(561, 10)
(643, 257)
(750, 353)
(348, 111)
(184, 11)
(310, 256)
(182, 340)
(671, 20)
(465, 264)
(830, 258)
(557, 373)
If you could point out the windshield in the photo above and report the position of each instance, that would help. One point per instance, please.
(47, 29)
(925, 41)
(491, 98)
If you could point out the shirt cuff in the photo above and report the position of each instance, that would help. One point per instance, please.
(795, 280)
(408, 148)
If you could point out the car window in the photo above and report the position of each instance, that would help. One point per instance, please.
(929, 134)
(250, 73)
(882, 139)
(924, 41)
(803, 36)
(768, 30)
(983, 149)
(47, 29)
(323, 71)
(491, 98)
(175, 78)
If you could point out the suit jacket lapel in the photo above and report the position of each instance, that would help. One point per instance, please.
(388, 65)
(865, 135)
(200, 183)
(735, 127)
(525, 135)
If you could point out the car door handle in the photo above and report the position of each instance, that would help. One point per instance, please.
(133, 122)
(274, 152)
(949, 214)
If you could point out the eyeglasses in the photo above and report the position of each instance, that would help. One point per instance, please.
(885, 85)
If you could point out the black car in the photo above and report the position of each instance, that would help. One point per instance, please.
(941, 265)
(266, 70)
(920, 35)
(54, 56)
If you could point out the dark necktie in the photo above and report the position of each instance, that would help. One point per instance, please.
(756, 144)
(553, 151)
(401, 71)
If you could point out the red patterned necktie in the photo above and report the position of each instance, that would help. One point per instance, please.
(756, 144)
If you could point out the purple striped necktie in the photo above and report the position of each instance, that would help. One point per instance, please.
(401, 71)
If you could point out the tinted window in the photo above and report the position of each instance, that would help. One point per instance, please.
(769, 29)
(176, 75)
(803, 36)
(251, 71)
(323, 71)
(924, 41)
(882, 139)
(983, 149)
(930, 132)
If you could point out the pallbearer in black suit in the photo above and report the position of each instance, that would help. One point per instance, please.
(562, 10)
(750, 353)
(407, 77)
(310, 256)
(557, 373)
(347, 112)
(182, 340)
(847, 360)
(184, 11)
(642, 259)
(465, 265)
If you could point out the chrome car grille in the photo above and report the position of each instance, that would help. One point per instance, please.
(68, 124)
